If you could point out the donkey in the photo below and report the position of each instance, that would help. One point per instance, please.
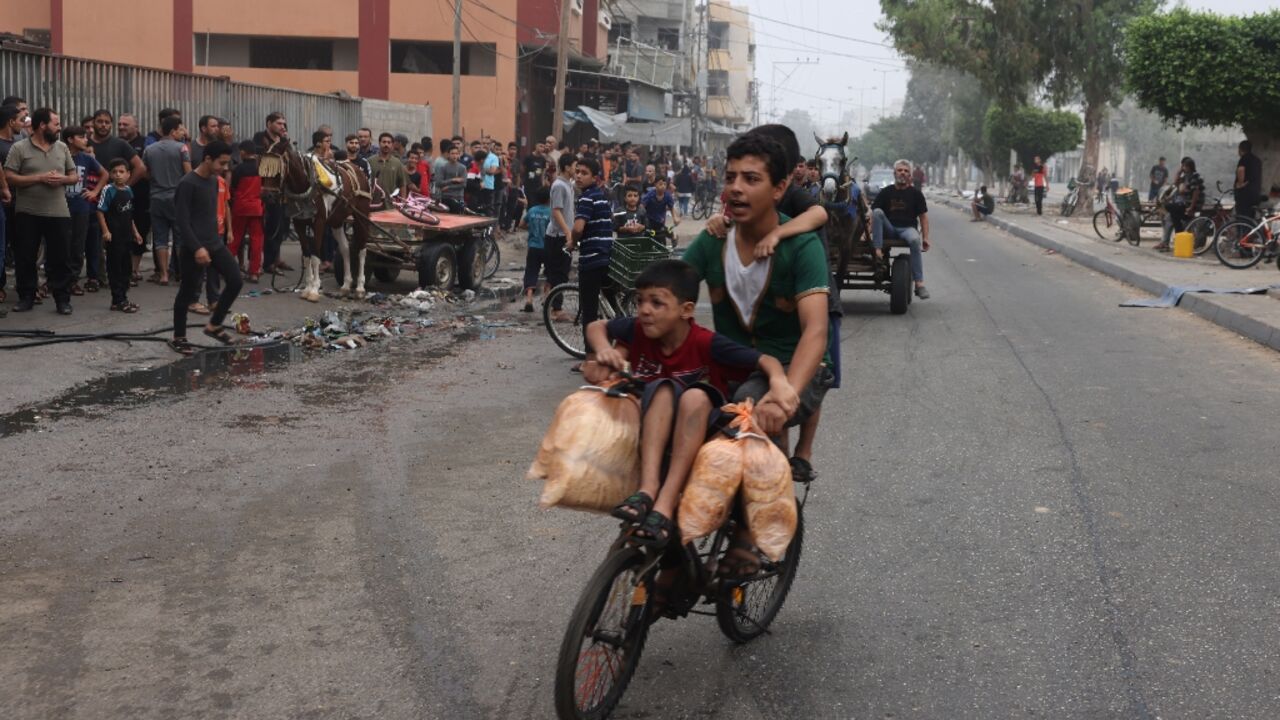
(323, 194)
(831, 164)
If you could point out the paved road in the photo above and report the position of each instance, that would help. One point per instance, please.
(1033, 503)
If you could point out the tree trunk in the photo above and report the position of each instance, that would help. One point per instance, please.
(1266, 145)
(1094, 113)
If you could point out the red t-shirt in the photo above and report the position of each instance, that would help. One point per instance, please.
(704, 356)
(424, 177)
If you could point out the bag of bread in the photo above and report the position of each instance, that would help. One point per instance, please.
(708, 494)
(590, 456)
(767, 493)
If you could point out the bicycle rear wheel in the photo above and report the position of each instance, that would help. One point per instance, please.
(1238, 246)
(492, 255)
(563, 317)
(605, 637)
(1203, 229)
(744, 609)
(1104, 223)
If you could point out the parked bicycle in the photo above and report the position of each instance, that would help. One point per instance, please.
(1242, 244)
(635, 587)
(1206, 226)
(561, 308)
(1072, 198)
(704, 200)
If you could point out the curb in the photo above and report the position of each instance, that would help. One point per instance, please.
(1202, 305)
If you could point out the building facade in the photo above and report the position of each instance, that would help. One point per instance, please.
(730, 85)
(397, 50)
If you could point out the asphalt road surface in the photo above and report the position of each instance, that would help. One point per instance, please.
(1032, 503)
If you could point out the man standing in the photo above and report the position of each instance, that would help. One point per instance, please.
(108, 147)
(130, 132)
(40, 167)
(1248, 184)
(367, 150)
(353, 154)
(897, 211)
(208, 132)
(10, 126)
(1159, 175)
(167, 162)
(489, 169)
(1040, 182)
(388, 169)
(200, 245)
(275, 219)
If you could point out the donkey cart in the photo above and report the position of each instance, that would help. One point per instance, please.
(451, 252)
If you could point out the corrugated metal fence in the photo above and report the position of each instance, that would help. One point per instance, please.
(76, 88)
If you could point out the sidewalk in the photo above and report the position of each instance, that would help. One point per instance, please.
(1256, 317)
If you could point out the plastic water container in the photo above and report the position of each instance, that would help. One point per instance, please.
(1184, 244)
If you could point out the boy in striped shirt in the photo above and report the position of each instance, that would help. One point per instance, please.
(593, 234)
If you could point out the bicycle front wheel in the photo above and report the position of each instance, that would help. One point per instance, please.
(492, 255)
(1104, 223)
(745, 608)
(1238, 246)
(563, 317)
(605, 637)
(1203, 229)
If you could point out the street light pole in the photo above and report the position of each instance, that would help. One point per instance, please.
(884, 86)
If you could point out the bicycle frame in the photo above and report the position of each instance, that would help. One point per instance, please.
(1265, 228)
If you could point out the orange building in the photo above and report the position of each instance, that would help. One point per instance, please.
(398, 50)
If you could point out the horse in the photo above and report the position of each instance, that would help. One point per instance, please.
(322, 194)
(845, 225)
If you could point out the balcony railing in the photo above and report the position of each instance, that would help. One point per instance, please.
(643, 63)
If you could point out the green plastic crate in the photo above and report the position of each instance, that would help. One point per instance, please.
(1127, 199)
(630, 256)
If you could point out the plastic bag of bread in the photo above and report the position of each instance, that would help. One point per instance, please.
(590, 456)
(708, 494)
(768, 495)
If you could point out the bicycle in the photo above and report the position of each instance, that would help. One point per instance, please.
(1206, 226)
(1241, 244)
(1072, 199)
(704, 200)
(561, 310)
(1125, 216)
(624, 597)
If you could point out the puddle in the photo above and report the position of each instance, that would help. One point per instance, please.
(233, 367)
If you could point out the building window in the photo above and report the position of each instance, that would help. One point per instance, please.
(413, 57)
(717, 82)
(619, 30)
(718, 36)
(669, 39)
(283, 53)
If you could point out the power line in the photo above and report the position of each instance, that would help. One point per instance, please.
(784, 23)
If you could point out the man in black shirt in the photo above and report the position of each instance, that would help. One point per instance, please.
(1248, 184)
(896, 211)
(200, 245)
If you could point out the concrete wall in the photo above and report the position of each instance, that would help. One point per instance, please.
(16, 16)
(412, 120)
(98, 30)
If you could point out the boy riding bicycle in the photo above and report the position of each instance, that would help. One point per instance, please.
(686, 370)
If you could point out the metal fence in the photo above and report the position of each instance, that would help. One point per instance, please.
(76, 88)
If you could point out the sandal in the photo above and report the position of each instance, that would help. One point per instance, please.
(76, 289)
(125, 307)
(634, 508)
(655, 532)
(182, 347)
(802, 471)
(91, 286)
(220, 335)
(198, 308)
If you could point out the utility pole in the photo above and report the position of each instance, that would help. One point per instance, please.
(562, 68)
(457, 67)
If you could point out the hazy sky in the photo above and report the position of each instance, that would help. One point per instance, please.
(832, 84)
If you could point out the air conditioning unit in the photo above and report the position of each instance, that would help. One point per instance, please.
(606, 22)
(577, 7)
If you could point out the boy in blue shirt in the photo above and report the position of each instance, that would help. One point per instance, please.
(657, 203)
(115, 221)
(82, 197)
(535, 220)
(593, 234)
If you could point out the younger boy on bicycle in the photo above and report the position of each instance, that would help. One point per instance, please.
(686, 370)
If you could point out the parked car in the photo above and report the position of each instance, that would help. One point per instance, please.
(878, 179)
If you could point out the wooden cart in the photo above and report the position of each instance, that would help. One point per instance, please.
(453, 252)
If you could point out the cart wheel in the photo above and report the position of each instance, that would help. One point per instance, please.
(437, 265)
(899, 285)
(471, 273)
(386, 274)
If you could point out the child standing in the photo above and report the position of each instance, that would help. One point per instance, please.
(629, 222)
(536, 220)
(247, 209)
(115, 221)
(593, 234)
(86, 249)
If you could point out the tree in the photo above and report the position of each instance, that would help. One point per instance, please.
(1205, 70)
(881, 144)
(1081, 57)
(1030, 131)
